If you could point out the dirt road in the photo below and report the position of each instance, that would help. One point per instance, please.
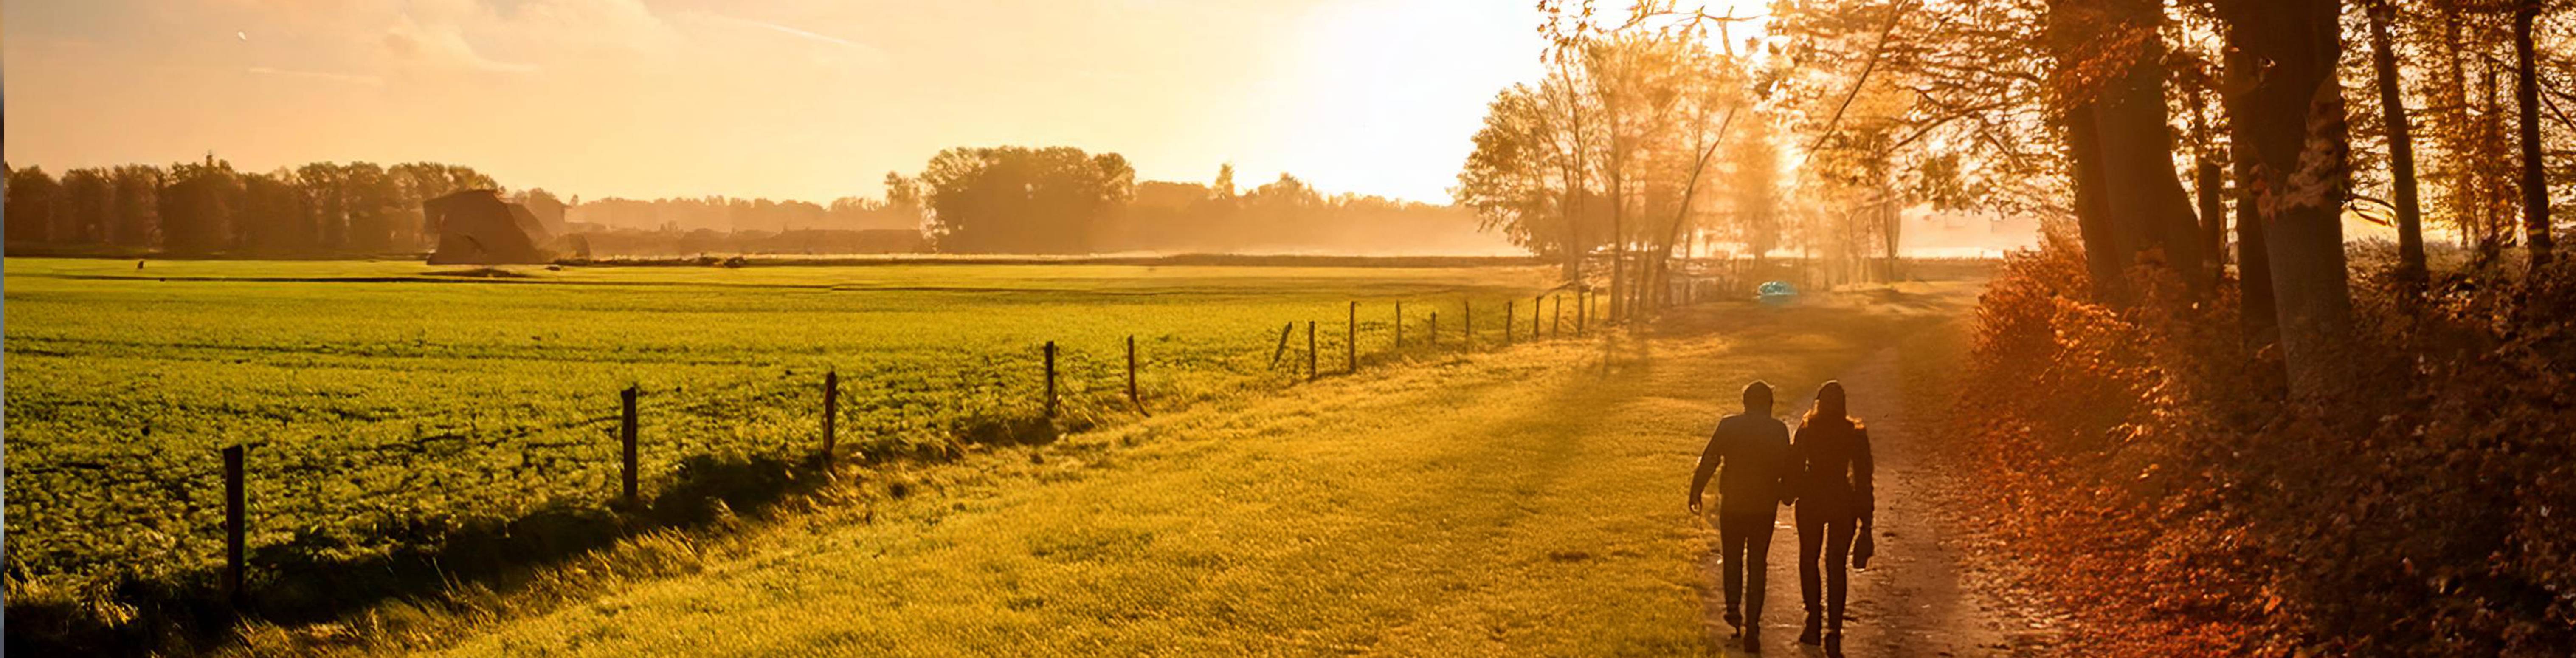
(1926, 593)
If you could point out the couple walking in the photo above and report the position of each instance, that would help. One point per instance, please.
(1823, 472)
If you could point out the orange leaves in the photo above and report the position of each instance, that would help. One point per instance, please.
(2170, 500)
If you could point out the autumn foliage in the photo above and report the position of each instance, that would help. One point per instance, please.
(2161, 489)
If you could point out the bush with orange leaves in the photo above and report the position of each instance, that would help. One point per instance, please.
(2148, 468)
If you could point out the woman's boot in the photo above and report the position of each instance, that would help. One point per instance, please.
(1815, 628)
(1834, 645)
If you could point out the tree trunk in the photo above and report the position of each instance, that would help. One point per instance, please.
(2255, 308)
(2208, 184)
(2457, 134)
(2401, 146)
(2297, 141)
(1891, 219)
(2495, 219)
(1574, 249)
(1681, 213)
(1618, 244)
(2535, 183)
(2103, 254)
(2130, 203)
(2401, 149)
(2151, 210)
(1577, 176)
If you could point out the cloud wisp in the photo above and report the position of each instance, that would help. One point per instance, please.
(826, 38)
(865, 51)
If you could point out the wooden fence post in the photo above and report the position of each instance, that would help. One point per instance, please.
(1435, 330)
(1399, 325)
(1582, 311)
(1311, 374)
(831, 410)
(1132, 398)
(1556, 323)
(1283, 344)
(1050, 379)
(236, 515)
(1508, 318)
(1351, 349)
(626, 439)
(1467, 324)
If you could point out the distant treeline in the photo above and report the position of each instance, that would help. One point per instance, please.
(969, 200)
(361, 208)
(717, 213)
(1287, 216)
(1064, 201)
(205, 208)
(673, 242)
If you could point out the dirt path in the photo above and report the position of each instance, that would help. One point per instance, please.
(1924, 593)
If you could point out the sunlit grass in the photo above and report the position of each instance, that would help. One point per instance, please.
(1525, 502)
(382, 394)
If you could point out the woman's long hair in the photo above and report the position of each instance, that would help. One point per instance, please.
(1832, 406)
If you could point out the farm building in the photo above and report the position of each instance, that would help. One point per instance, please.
(475, 227)
(549, 211)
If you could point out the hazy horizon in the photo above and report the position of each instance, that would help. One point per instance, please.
(800, 99)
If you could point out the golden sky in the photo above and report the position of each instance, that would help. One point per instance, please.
(807, 99)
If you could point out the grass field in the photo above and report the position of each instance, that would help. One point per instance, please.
(388, 404)
(1522, 502)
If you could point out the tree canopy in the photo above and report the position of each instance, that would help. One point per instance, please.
(1022, 200)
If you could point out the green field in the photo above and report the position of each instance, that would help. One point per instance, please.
(1522, 502)
(388, 403)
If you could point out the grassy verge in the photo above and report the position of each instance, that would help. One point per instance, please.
(409, 428)
(1517, 502)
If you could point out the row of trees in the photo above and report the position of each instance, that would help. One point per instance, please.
(1062, 200)
(2182, 136)
(324, 209)
(1018, 200)
(208, 207)
(968, 200)
(1655, 131)
(2099, 110)
(1284, 215)
(2220, 421)
(718, 213)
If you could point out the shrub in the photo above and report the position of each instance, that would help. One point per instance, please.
(2164, 491)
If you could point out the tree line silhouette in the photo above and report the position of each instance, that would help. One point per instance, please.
(967, 200)
(1062, 201)
(209, 207)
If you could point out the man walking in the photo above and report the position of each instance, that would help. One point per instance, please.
(1753, 450)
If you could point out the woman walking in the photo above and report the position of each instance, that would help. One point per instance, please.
(1831, 457)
